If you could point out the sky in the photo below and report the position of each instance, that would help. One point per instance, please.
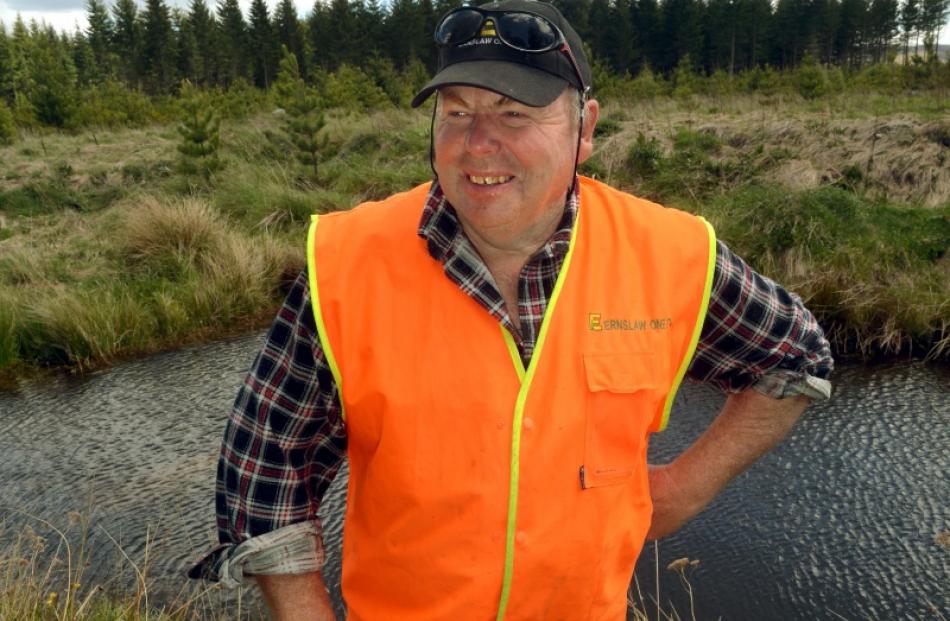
(65, 14)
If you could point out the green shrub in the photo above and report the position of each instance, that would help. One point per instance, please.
(688, 140)
(685, 81)
(200, 136)
(112, 104)
(646, 85)
(810, 81)
(239, 101)
(8, 131)
(645, 156)
(720, 84)
(607, 126)
(767, 81)
(351, 88)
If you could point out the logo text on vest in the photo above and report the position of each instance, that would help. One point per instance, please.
(597, 323)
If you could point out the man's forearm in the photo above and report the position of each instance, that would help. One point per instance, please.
(749, 425)
(300, 597)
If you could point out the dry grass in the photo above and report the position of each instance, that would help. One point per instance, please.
(43, 577)
(186, 229)
(900, 156)
(650, 607)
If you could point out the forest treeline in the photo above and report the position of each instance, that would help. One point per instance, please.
(136, 55)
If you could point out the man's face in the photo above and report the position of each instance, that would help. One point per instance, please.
(505, 166)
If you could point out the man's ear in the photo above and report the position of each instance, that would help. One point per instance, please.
(588, 123)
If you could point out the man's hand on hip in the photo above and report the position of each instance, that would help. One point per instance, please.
(748, 426)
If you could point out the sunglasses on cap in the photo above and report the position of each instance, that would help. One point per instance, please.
(519, 30)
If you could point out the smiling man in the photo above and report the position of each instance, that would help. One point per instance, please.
(491, 352)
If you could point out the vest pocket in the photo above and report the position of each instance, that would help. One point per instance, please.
(621, 401)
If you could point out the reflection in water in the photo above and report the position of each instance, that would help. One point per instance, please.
(844, 519)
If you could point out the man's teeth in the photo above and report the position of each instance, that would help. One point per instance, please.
(488, 180)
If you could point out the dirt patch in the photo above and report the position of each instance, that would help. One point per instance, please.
(899, 158)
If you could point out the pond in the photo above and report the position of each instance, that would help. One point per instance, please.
(849, 518)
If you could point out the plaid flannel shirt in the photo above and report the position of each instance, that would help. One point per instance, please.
(285, 440)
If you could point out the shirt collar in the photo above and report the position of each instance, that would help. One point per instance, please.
(441, 229)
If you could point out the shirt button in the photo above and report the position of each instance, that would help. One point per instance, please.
(500, 424)
(521, 537)
(529, 423)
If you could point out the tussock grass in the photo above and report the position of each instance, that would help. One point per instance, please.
(180, 230)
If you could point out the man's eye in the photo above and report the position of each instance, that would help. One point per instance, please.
(513, 114)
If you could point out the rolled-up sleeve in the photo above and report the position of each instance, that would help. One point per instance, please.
(283, 445)
(758, 335)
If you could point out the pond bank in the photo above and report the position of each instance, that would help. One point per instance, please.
(106, 252)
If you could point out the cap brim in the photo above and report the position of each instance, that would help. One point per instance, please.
(530, 86)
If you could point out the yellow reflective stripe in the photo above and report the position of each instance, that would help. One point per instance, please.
(697, 328)
(318, 313)
(513, 351)
(519, 415)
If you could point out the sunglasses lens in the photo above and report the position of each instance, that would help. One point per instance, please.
(528, 32)
(458, 27)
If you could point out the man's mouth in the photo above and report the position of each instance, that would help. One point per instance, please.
(489, 180)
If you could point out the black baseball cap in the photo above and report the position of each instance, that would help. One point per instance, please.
(532, 78)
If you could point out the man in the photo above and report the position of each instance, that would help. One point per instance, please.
(491, 352)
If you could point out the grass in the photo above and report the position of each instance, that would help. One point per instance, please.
(43, 577)
(106, 251)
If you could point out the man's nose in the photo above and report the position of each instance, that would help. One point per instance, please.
(482, 136)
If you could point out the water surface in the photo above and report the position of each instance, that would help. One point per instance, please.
(842, 521)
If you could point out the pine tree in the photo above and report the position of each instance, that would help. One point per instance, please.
(303, 120)
(599, 19)
(202, 26)
(933, 16)
(318, 35)
(646, 23)
(233, 41)
(127, 42)
(158, 48)
(719, 28)
(882, 26)
(6, 66)
(426, 51)
(186, 48)
(289, 32)
(371, 23)
(682, 32)
(22, 60)
(624, 44)
(200, 134)
(850, 39)
(792, 32)
(87, 72)
(263, 50)
(827, 19)
(100, 34)
(340, 40)
(909, 19)
(54, 80)
(751, 46)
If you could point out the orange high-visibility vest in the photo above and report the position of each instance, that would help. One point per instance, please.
(480, 489)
